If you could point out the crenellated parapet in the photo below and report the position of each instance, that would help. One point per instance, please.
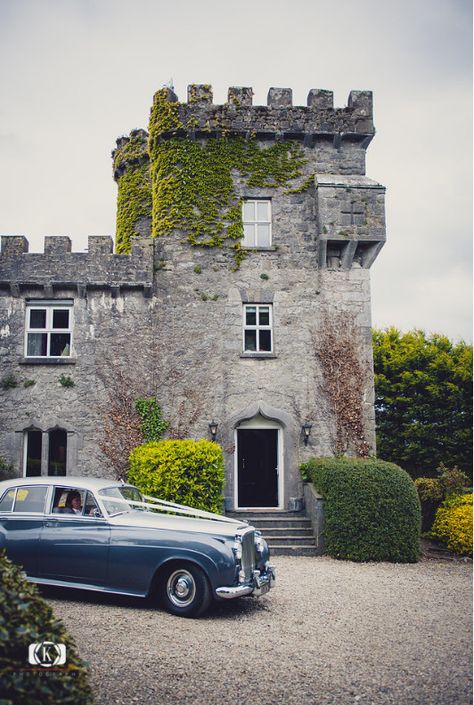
(187, 175)
(57, 268)
(279, 118)
(131, 151)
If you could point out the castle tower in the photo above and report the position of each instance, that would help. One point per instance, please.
(238, 293)
(266, 227)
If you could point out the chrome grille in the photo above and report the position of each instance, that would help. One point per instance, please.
(248, 553)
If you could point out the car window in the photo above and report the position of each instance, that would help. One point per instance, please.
(64, 500)
(6, 503)
(115, 498)
(30, 499)
(91, 508)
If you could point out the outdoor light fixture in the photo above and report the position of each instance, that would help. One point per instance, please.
(213, 429)
(306, 431)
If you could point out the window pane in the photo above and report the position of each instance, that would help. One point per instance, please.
(60, 345)
(264, 316)
(251, 340)
(34, 444)
(37, 344)
(60, 318)
(250, 316)
(30, 499)
(262, 211)
(37, 318)
(249, 235)
(265, 340)
(6, 503)
(263, 236)
(91, 508)
(249, 210)
(57, 452)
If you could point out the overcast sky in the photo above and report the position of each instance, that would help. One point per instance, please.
(76, 74)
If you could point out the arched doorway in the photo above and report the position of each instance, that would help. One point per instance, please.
(259, 464)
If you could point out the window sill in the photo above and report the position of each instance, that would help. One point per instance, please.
(258, 356)
(272, 248)
(47, 361)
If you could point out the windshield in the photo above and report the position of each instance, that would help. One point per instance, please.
(116, 499)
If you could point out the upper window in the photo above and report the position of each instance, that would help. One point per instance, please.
(48, 329)
(258, 328)
(256, 216)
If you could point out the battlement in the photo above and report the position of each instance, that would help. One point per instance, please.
(278, 119)
(131, 151)
(58, 268)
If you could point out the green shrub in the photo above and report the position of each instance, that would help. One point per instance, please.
(432, 490)
(372, 510)
(453, 523)
(452, 480)
(429, 489)
(188, 472)
(7, 470)
(25, 618)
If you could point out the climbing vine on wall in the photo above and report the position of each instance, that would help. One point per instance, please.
(338, 352)
(153, 424)
(132, 169)
(193, 191)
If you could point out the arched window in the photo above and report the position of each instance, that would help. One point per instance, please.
(33, 452)
(45, 452)
(57, 451)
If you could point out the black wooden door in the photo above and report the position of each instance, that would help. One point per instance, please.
(258, 467)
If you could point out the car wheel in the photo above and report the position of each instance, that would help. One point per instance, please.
(185, 591)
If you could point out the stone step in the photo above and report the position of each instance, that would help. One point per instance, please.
(269, 523)
(275, 531)
(292, 550)
(289, 540)
(287, 533)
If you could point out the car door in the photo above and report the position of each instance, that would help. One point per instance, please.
(21, 522)
(75, 547)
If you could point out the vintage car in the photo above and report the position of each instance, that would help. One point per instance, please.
(98, 534)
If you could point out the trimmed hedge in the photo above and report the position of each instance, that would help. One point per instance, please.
(372, 510)
(25, 618)
(453, 524)
(185, 471)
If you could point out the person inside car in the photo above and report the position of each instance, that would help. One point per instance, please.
(73, 504)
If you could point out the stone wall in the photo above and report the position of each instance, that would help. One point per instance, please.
(112, 330)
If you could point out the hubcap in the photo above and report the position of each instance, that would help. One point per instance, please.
(181, 588)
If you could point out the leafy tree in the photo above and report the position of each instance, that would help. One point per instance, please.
(423, 400)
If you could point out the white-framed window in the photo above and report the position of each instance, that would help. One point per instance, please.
(48, 329)
(257, 220)
(258, 336)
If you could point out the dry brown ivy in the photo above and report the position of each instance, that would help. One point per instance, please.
(337, 348)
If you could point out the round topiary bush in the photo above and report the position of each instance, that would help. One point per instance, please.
(187, 472)
(453, 524)
(26, 619)
(371, 508)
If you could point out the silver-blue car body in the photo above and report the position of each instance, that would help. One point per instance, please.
(112, 539)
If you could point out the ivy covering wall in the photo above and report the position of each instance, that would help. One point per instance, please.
(188, 184)
(132, 169)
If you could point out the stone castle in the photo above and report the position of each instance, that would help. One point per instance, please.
(238, 295)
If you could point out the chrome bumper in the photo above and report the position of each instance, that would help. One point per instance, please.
(261, 583)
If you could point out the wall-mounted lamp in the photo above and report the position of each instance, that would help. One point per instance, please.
(213, 429)
(306, 428)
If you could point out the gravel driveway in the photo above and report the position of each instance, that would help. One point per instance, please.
(331, 632)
